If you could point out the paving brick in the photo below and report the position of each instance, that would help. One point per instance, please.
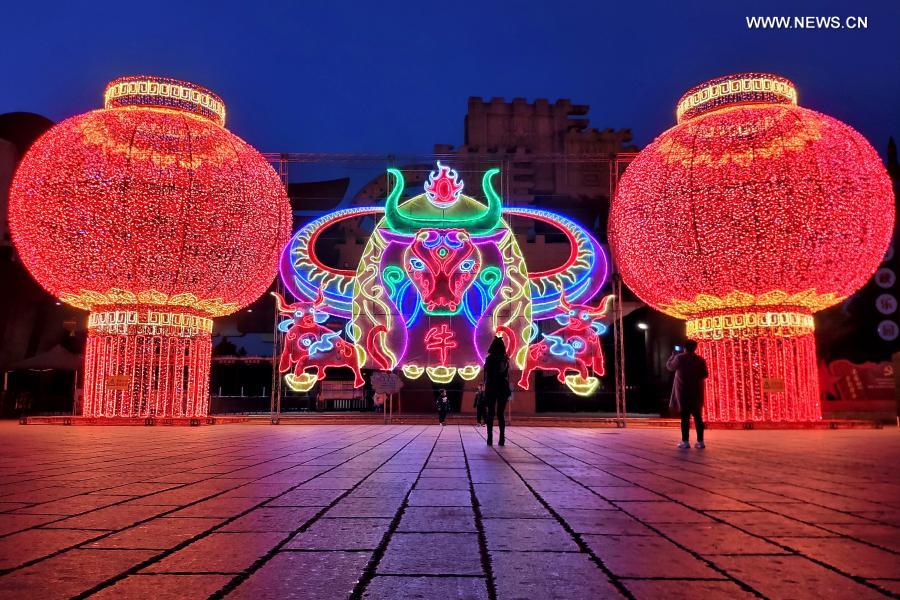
(603, 521)
(792, 577)
(286, 518)
(71, 506)
(432, 553)
(26, 546)
(458, 519)
(11, 523)
(675, 589)
(716, 538)
(580, 498)
(662, 512)
(164, 587)
(768, 524)
(306, 497)
(366, 507)
(218, 553)
(388, 587)
(341, 534)
(886, 536)
(440, 498)
(68, 574)
(161, 534)
(646, 556)
(319, 575)
(810, 513)
(625, 492)
(549, 575)
(220, 506)
(527, 535)
(848, 556)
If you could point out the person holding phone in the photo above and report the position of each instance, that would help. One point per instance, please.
(687, 390)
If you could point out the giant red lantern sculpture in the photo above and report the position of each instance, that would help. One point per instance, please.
(154, 217)
(744, 219)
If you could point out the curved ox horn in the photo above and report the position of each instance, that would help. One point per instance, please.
(602, 308)
(280, 304)
(395, 220)
(305, 276)
(490, 218)
(578, 279)
(482, 223)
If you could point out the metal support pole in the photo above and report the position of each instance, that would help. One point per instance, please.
(275, 397)
(619, 351)
(618, 315)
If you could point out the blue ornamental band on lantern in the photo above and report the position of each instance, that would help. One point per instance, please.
(441, 275)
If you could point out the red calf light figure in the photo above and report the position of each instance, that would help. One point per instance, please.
(744, 219)
(573, 347)
(308, 343)
(154, 217)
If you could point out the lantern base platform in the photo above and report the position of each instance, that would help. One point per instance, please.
(543, 420)
(129, 421)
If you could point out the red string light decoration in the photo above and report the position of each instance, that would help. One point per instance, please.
(744, 219)
(154, 217)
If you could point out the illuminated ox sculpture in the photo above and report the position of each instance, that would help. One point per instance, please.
(309, 344)
(442, 275)
(573, 347)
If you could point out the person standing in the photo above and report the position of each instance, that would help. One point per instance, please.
(687, 390)
(496, 388)
(443, 406)
(479, 405)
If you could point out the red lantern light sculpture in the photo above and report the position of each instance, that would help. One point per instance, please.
(154, 217)
(744, 219)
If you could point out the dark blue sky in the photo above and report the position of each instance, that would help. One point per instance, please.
(383, 76)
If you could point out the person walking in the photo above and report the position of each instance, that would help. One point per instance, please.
(687, 390)
(479, 405)
(443, 406)
(496, 388)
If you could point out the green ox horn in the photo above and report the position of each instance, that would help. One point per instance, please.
(479, 224)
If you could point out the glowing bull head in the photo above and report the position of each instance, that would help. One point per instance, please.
(441, 276)
(573, 347)
(442, 264)
(309, 344)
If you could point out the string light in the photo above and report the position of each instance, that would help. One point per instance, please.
(744, 219)
(154, 217)
(440, 277)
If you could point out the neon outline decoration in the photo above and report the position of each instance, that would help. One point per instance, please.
(573, 347)
(440, 276)
(309, 344)
(443, 190)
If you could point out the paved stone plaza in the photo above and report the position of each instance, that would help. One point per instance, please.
(249, 511)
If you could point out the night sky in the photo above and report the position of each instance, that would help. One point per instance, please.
(382, 77)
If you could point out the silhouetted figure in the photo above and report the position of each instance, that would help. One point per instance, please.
(687, 390)
(496, 388)
(479, 405)
(443, 406)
